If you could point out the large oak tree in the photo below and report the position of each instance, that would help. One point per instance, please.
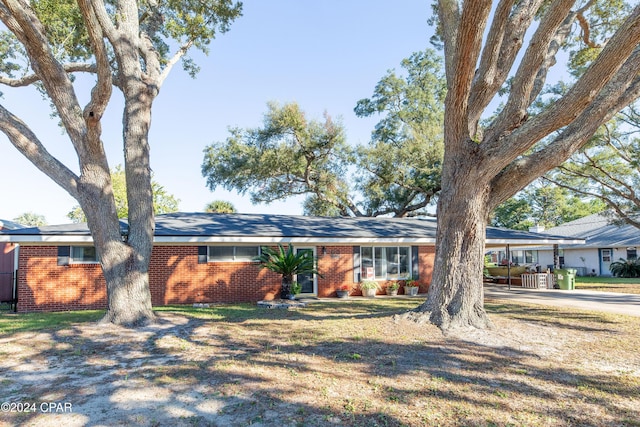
(397, 173)
(486, 163)
(132, 46)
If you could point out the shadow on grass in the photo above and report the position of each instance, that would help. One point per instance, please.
(556, 317)
(240, 365)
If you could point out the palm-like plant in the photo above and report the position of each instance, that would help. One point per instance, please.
(287, 263)
(625, 268)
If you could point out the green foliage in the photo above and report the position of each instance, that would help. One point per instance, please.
(163, 202)
(608, 167)
(196, 21)
(369, 284)
(288, 156)
(545, 205)
(296, 288)
(393, 285)
(65, 28)
(625, 268)
(31, 219)
(287, 263)
(400, 168)
(515, 214)
(398, 172)
(599, 23)
(167, 24)
(220, 206)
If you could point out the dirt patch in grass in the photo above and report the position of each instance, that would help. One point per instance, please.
(329, 364)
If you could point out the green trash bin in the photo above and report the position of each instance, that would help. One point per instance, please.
(565, 278)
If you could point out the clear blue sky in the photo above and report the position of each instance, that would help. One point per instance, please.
(324, 55)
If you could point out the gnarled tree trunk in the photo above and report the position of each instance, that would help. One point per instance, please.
(455, 298)
(484, 166)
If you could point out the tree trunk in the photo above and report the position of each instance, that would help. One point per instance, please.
(456, 298)
(128, 296)
(129, 299)
(126, 263)
(285, 290)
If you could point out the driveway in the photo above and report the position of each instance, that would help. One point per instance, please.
(611, 302)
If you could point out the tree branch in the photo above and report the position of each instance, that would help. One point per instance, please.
(32, 78)
(618, 62)
(503, 43)
(465, 49)
(586, 31)
(619, 92)
(611, 203)
(101, 92)
(30, 146)
(25, 24)
(515, 111)
(173, 61)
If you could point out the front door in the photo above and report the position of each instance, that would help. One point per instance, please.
(606, 256)
(306, 281)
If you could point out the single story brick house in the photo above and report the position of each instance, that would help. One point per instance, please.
(204, 257)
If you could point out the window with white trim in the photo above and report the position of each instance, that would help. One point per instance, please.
(83, 254)
(385, 262)
(632, 254)
(232, 253)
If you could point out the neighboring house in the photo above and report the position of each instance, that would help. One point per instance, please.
(209, 257)
(604, 243)
(7, 265)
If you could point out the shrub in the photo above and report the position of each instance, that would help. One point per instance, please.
(369, 284)
(625, 268)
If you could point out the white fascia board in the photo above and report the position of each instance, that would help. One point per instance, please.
(45, 239)
(527, 243)
(338, 241)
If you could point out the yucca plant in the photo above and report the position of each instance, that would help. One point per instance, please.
(625, 268)
(287, 263)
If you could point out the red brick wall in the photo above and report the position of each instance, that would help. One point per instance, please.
(426, 259)
(336, 268)
(45, 286)
(175, 277)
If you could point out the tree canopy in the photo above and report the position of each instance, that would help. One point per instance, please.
(31, 219)
(397, 173)
(220, 206)
(545, 205)
(399, 170)
(607, 168)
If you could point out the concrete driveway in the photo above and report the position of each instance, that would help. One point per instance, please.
(610, 302)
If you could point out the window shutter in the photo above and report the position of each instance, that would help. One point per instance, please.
(202, 254)
(415, 270)
(356, 264)
(64, 255)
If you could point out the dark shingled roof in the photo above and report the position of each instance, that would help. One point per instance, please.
(286, 226)
(599, 231)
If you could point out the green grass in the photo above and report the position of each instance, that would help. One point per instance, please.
(609, 284)
(11, 323)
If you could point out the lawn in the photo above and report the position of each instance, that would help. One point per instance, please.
(332, 363)
(609, 284)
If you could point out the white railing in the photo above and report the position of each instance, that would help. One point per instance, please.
(538, 280)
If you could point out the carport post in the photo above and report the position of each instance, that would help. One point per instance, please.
(509, 266)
